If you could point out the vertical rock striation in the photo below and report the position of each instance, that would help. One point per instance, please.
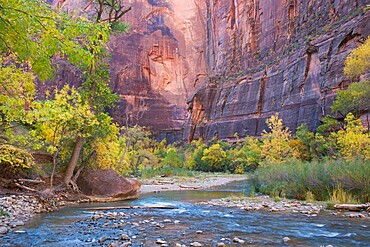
(211, 68)
(272, 56)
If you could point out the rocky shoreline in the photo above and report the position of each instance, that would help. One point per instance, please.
(15, 210)
(267, 203)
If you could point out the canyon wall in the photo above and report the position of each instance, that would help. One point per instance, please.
(267, 56)
(213, 68)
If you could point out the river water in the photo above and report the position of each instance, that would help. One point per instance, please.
(177, 219)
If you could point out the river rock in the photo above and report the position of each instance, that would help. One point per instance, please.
(125, 237)
(196, 244)
(160, 241)
(107, 183)
(221, 245)
(3, 230)
(286, 239)
(238, 240)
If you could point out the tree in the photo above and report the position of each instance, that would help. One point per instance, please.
(56, 121)
(355, 99)
(214, 158)
(275, 144)
(353, 142)
(16, 93)
(358, 61)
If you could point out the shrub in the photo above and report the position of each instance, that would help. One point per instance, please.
(14, 161)
(172, 158)
(214, 159)
(295, 179)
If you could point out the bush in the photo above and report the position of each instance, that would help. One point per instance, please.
(14, 161)
(295, 179)
(214, 159)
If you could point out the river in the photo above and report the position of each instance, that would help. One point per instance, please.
(176, 218)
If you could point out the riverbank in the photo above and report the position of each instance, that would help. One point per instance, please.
(16, 207)
(202, 181)
(274, 205)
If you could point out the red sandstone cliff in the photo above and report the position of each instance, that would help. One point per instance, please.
(267, 56)
(238, 61)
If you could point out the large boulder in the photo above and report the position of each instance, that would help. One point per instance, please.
(107, 183)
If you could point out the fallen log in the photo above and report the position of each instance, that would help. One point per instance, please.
(163, 182)
(32, 181)
(188, 187)
(352, 207)
(24, 187)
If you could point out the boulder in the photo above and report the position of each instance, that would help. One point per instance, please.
(107, 183)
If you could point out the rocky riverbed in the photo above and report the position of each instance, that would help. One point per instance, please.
(290, 206)
(15, 210)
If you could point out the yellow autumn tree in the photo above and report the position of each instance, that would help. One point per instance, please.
(358, 61)
(275, 143)
(353, 142)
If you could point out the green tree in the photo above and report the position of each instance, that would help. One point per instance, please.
(16, 93)
(355, 99)
(172, 158)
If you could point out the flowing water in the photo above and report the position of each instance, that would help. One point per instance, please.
(179, 220)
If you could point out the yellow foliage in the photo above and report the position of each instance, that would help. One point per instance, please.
(275, 144)
(358, 61)
(353, 142)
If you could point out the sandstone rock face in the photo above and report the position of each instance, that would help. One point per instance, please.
(236, 62)
(159, 63)
(107, 183)
(281, 56)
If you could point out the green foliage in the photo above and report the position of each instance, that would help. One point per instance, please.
(358, 61)
(295, 179)
(355, 99)
(172, 158)
(34, 32)
(166, 172)
(214, 158)
(194, 155)
(247, 157)
(14, 161)
(16, 92)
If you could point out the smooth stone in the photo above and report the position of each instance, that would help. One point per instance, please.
(3, 230)
(221, 245)
(102, 239)
(286, 239)
(199, 232)
(196, 244)
(125, 237)
(126, 244)
(160, 241)
(238, 240)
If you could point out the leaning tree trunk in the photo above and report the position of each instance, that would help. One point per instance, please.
(73, 162)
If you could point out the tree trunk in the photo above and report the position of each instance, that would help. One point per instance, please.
(73, 162)
(55, 156)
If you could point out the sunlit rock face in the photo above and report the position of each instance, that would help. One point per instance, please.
(232, 63)
(267, 56)
(159, 64)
